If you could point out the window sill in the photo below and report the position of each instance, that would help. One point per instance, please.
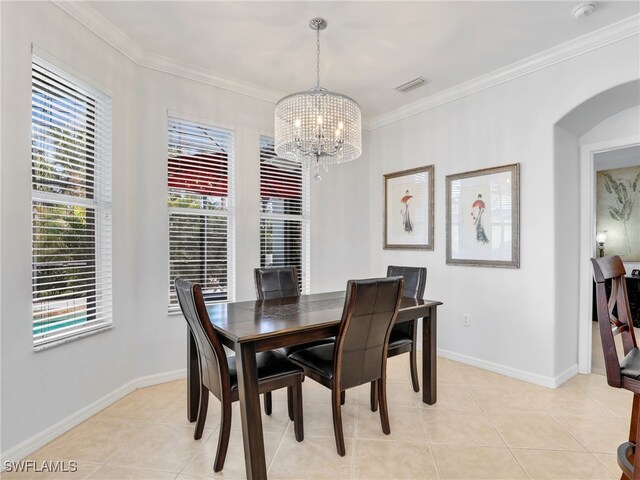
(62, 341)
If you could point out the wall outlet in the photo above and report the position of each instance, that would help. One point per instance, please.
(465, 320)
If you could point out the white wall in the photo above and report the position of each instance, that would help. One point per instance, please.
(40, 389)
(513, 313)
(340, 213)
(567, 252)
(621, 125)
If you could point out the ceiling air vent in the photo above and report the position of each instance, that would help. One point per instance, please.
(411, 84)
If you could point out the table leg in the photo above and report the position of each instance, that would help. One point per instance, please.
(193, 378)
(429, 356)
(250, 412)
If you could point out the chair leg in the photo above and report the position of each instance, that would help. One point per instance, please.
(223, 437)
(374, 396)
(202, 412)
(290, 403)
(337, 421)
(413, 364)
(343, 397)
(298, 422)
(634, 429)
(267, 403)
(634, 418)
(382, 398)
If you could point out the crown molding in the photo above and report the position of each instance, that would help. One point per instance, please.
(168, 65)
(600, 38)
(91, 19)
(99, 25)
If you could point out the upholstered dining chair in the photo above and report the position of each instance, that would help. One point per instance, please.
(219, 376)
(404, 336)
(276, 282)
(623, 373)
(359, 353)
(280, 282)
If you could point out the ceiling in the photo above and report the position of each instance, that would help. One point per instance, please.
(368, 47)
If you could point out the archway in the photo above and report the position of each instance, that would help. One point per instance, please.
(603, 123)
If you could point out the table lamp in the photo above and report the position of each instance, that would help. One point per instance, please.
(601, 237)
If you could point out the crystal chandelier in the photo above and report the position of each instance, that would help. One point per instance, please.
(318, 127)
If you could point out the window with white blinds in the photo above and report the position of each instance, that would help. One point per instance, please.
(200, 213)
(284, 213)
(70, 206)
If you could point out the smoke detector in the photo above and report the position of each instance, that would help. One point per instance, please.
(411, 84)
(583, 9)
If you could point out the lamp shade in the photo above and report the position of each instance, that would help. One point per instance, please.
(318, 125)
(601, 236)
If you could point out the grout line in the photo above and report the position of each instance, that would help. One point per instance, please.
(284, 432)
(486, 415)
(157, 421)
(199, 450)
(571, 434)
(426, 434)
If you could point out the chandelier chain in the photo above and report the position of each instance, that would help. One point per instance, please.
(318, 58)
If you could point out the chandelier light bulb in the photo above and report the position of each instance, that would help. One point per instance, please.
(298, 123)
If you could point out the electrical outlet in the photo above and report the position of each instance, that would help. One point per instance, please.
(465, 320)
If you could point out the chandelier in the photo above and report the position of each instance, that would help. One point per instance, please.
(318, 127)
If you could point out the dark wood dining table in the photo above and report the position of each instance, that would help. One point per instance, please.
(255, 326)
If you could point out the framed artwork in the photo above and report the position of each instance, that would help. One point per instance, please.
(483, 217)
(408, 209)
(618, 211)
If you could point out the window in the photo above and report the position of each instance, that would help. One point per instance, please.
(71, 206)
(200, 214)
(284, 213)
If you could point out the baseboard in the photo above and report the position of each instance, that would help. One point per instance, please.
(164, 377)
(37, 441)
(566, 375)
(544, 381)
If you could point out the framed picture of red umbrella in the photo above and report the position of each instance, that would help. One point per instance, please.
(483, 217)
(408, 209)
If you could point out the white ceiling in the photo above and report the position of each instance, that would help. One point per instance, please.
(368, 47)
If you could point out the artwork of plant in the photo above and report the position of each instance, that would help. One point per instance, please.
(624, 193)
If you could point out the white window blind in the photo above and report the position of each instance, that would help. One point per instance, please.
(71, 206)
(200, 213)
(284, 213)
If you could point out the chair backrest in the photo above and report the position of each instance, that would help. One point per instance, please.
(606, 268)
(415, 279)
(214, 369)
(370, 310)
(277, 282)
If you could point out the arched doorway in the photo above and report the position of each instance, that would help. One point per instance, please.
(604, 123)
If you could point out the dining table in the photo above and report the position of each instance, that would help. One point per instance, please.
(255, 326)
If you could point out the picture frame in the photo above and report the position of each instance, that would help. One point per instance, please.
(408, 209)
(618, 211)
(483, 217)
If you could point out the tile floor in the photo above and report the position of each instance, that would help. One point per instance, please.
(484, 426)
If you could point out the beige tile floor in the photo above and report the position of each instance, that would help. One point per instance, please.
(483, 426)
